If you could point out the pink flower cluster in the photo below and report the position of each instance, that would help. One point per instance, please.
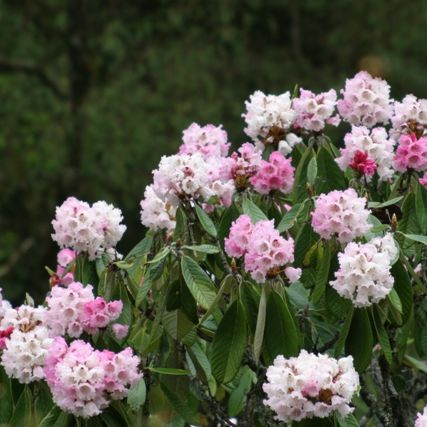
(315, 111)
(340, 213)
(265, 252)
(275, 174)
(84, 381)
(93, 229)
(209, 141)
(411, 153)
(421, 420)
(74, 310)
(366, 100)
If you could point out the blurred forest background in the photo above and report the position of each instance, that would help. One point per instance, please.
(93, 92)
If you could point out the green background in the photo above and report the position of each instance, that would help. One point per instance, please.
(94, 92)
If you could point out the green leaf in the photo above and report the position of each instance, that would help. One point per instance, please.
(403, 287)
(181, 224)
(229, 215)
(229, 343)
(312, 170)
(338, 305)
(198, 282)
(416, 238)
(179, 405)
(344, 333)
(260, 324)
(420, 365)
(22, 415)
(170, 371)
(290, 217)
(177, 324)
(349, 421)
(142, 248)
(330, 176)
(421, 207)
(85, 270)
(205, 221)
(322, 276)
(382, 336)
(390, 202)
(360, 340)
(299, 192)
(6, 397)
(154, 271)
(281, 333)
(253, 211)
(160, 256)
(56, 418)
(137, 395)
(238, 395)
(205, 249)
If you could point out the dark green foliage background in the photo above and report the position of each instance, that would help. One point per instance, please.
(94, 92)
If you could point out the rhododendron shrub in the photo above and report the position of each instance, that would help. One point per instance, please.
(280, 282)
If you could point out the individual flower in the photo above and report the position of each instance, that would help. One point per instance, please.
(310, 386)
(266, 253)
(421, 420)
(411, 153)
(423, 180)
(74, 310)
(364, 271)
(409, 115)
(120, 331)
(88, 229)
(275, 174)
(286, 145)
(209, 141)
(377, 146)
(366, 100)
(84, 381)
(315, 111)
(340, 213)
(25, 353)
(268, 117)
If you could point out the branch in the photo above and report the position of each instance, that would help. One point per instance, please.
(19, 66)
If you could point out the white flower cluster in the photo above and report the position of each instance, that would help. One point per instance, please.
(197, 176)
(366, 100)
(83, 228)
(268, 117)
(364, 274)
(26, 348)
(375, 142)
(310, 386)
(411, 109)
(25, 354)
(421, 420)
